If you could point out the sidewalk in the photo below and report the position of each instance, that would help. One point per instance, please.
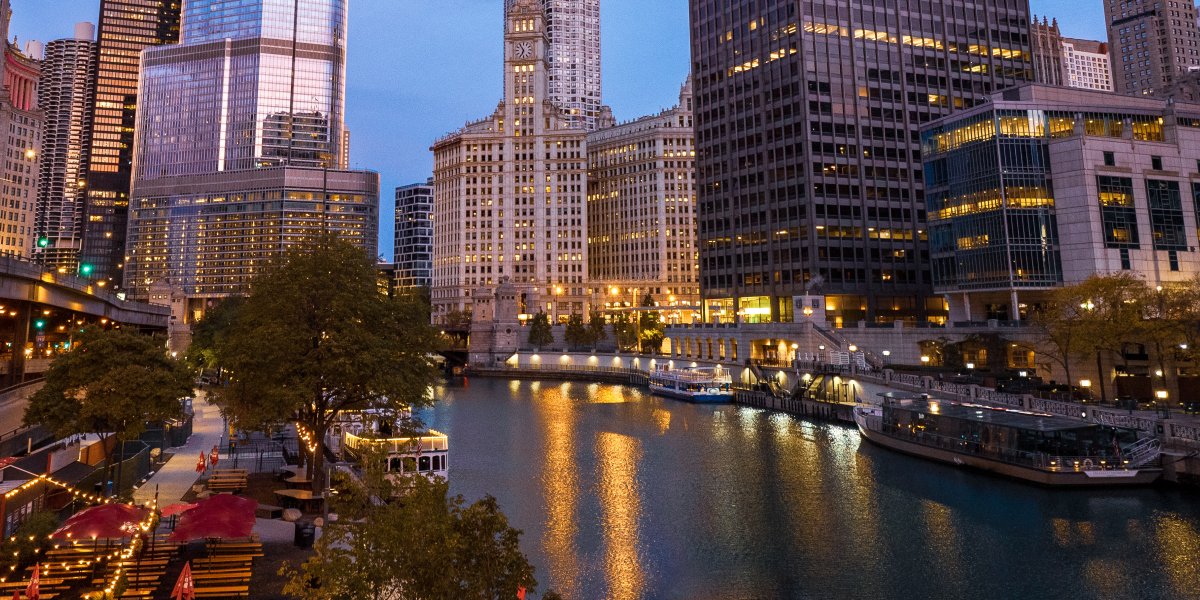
(176, 477)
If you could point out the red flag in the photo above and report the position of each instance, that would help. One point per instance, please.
(16, 595)
(31, 591)
(214, 457)
(185, 588)
(202, 466)
(520, 593)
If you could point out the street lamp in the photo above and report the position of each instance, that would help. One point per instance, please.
(925, 358)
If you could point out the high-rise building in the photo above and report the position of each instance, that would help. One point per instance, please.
(126, 27)
(573, 31)
(22, 120)
(1046, 186)
(1046, 44)
(509, 190)
(1087, 65)
(413, 250)
(807, 149)
(67, 89)
(239, 136)
(1152, 43)
(641, 207)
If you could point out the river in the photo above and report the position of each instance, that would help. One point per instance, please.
(625, 495)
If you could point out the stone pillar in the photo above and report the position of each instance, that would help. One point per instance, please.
(16, 369)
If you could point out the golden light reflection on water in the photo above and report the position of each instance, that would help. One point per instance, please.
(1179, 552)
(609, 394)
(560, 485)
(617, 459)
(662, 418)
(944, 540)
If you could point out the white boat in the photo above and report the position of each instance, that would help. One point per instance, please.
(705, 385)
(426, 454)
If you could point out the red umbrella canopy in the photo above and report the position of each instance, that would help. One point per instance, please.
(175, 509)
(104, 521)
(220, 516)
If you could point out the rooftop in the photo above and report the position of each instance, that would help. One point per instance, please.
(1015, 419)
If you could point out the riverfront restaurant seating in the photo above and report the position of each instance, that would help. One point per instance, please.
(228, 480)
(226, 569)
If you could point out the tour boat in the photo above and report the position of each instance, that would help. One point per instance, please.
(706, 385)
(1034, 447)
(424, 454)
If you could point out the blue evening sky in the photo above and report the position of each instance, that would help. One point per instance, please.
(418, 69)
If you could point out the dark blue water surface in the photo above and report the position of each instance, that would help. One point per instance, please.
(626, 495)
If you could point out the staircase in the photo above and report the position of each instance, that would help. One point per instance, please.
(1143, 452)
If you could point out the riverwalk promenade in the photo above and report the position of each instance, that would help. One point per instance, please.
(176, 477)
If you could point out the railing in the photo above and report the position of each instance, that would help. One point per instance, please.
(1183, 434)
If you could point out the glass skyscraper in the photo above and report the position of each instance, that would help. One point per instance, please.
(807, 147)
(573, 28)
(239, 140)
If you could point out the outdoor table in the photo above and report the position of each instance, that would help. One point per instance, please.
(299, 482)
(299, 497)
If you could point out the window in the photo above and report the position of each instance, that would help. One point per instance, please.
(1166, 215)
(1110, 159)
(1125, 263)
(1156, 163)
(1117, 214)
(1173, 259)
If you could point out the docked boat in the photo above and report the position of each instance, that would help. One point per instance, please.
(359, 433)
(706, 385)
(1034, 447)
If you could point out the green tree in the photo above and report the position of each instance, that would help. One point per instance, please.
(539, 331)
(625, 331)
(111, 382)
(423, 543)
(315, 338)
(650, 327)
(28, 541)
(202, 353)
(596, 328)
(576, 334)
(458, 319)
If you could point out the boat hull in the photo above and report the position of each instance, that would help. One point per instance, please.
(697, 397)
(1038, 476)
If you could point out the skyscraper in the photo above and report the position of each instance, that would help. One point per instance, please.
(1046, 42)
(239, 136)
(68, 86)
(1152, 43)
(21, 119)
(808, 156)
(573, 31)
(125, 28)
(509, 189)
(413, 250)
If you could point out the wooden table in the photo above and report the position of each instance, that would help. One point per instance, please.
(299, 482)
(303, 498)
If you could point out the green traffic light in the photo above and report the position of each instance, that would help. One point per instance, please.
(85, 269)
(40, 323)
(43, 242)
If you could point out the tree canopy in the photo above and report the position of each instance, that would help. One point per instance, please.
(539, 330)
(576, 334)
(202, 353)
(316, 338)
(111, 381)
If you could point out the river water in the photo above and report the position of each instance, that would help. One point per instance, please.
(626, 495)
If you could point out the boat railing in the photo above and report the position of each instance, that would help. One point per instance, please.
(430, 442)
(1037, 460)
(696, 377)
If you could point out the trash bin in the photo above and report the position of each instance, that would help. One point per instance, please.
(306, 534)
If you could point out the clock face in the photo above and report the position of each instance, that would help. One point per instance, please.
(523, 50)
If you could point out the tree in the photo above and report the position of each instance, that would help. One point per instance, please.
(596, 328)
(111, 382)
(423, 543)
(576, 334)
(202, 353)
(539, 331)
(316, 339)
(458, 319)
(625, 331)
(650, 327)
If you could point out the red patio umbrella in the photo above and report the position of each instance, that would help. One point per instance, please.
(177, 508)
(185, 588)
(32, 591)
(104, 521)
(220, 516)
(16, 595)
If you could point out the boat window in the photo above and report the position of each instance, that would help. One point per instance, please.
(423, 463)
(396, 465)
(410, 464)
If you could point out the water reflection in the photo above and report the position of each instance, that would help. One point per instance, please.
(560, 487)
(1180, 551)
(617, 460)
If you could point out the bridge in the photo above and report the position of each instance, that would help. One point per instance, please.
(40, 311)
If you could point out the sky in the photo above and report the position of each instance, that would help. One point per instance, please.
(418, 69)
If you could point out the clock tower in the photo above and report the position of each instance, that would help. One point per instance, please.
(525, 45)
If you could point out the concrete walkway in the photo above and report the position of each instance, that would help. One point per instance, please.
(176, 477)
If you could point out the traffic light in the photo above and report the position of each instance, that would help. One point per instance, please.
(85, 269)
(40, 323)
(43, 242)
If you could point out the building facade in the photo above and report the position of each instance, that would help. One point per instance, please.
(573, 31)
(509, 190)
(126, 27)
(209, 234)
(1087, 65)
(641, 207)
(239, 135)
(413, 249)
(807, 122)
(21, 122)
(1047, 186)
(1152, 43)
(1046, 43)
(68, 87)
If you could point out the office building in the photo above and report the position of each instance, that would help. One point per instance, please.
(1076, 63)
(807, 146)
(239, 136)
(573, 31)
(509, 189)
(641, 207)
(126, 27)
(1152, 43)
(1046, 186)
(22, 120)
(1046, 43)
(67, 88)
(413, 250)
